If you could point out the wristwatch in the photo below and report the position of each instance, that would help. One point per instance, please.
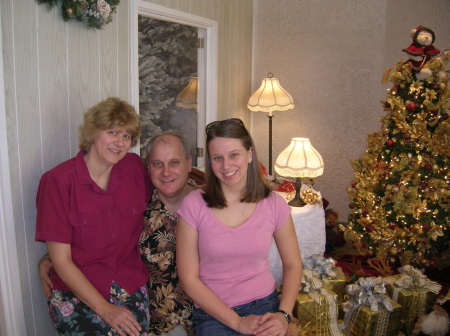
(286, 315)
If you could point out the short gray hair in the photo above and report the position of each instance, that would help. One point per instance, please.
(176, 134)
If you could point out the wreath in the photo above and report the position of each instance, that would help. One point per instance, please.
(93, 13)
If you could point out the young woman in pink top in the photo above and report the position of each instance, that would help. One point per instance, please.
(224, 235)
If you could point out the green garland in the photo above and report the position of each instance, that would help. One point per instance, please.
(93, 13)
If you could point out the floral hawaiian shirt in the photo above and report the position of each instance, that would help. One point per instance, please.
(169, 305)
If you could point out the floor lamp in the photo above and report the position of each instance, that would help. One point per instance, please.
(268, 98)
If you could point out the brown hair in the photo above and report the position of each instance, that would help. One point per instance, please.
(108, 114)
(256, 188)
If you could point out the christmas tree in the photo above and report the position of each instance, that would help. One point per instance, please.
(400, 196)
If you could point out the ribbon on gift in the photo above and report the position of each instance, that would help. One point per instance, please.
(415, 281)
(370, 292)
(322, 266)
(326, 319)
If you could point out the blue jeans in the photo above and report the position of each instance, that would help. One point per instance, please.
(206, 325)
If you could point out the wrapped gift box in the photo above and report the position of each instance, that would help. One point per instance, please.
(367, 321)
(336, 284)
(414, 303)
(315, 317)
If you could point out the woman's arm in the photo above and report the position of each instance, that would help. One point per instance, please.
(188, 271)
(44, 267)
(287, 244)
(121, 319)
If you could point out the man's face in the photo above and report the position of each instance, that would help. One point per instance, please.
(168, 166)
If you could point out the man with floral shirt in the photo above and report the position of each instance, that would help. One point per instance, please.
(169, 164)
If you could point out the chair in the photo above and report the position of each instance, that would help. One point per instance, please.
(198, 176)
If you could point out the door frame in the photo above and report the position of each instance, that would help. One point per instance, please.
(141, 7)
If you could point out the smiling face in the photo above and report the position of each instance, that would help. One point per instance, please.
(110, 146)
(168, 166)
(229, 161)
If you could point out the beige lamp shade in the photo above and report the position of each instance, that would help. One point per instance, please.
(187, 98)
(270, 97)
(299, 159)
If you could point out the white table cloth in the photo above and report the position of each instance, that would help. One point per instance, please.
(309, 223)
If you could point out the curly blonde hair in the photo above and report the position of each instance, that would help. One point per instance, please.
(108, 114)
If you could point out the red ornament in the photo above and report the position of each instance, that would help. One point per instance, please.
(354, 185)
(428, 167)
(407, 136)
(412, 106)
(351, 205)
(425, 227)
(390, 142)
(444, 116)
(365, 213)
(423, 184)
(434, 112)
(387, 105)
(379, 165)
(432, 263)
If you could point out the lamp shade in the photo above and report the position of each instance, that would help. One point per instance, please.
(187, 98)
(270, 97)
(299, 159)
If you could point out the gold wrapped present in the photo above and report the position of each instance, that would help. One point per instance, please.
(415, 293)
(379, 323)
(312, 315)
(316, 307)
(336, 284)
(333, 277)
(369, 311)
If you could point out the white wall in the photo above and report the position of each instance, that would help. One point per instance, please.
(330, 56)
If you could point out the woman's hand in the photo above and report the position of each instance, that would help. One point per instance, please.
(45, 265)
(120, 318)
(247, 325)
(274, 324)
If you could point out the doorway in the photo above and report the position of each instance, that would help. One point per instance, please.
(175, 53)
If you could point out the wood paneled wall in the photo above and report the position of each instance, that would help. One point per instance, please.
(54, 71)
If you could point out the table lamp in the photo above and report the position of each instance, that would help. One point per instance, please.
(298, 160)
(268, 98)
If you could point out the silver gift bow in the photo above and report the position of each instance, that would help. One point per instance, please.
(370, 292)
(413, 279)
(322, 266)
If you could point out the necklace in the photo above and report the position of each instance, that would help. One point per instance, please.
(244, 211)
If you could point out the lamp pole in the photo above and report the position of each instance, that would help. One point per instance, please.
(270, 142)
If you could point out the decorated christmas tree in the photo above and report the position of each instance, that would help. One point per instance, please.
(400, 196)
